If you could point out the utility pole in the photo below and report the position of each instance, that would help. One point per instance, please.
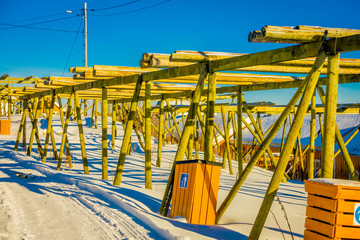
(85, 47)
(85, 33)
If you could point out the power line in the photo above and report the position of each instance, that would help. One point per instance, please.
(136, 10)
(116, 6)
(72, 48)
(37, 28)
(46, 16)
(31, 24)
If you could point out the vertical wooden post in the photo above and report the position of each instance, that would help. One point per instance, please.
(9, 106)
(96, 112)
(311, 77)
(310, 166)
(284, 157)
(161, 131)
(25, 109)
(67, 146)
(104, 114)
(49, 127)
(283, 135)
(327, 157)
(81, 133)
(261, 130)
(34, 128)
(190, 145)
(113, 125)
(93, 113)
(227, 144)
(127, 133)
(342, 145)
(22, 126)
(148, 177)
(65, 127)
(239, 131)
(189, 124)
(210, 115)
(196, 135)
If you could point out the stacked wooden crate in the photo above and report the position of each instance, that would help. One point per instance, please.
(5, 126)
(332, 204)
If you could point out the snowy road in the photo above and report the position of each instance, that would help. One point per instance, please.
(33, 207)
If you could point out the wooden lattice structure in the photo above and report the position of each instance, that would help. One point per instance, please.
(194, 76)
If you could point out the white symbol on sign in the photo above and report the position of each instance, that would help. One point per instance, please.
(356, 220)
(184, 180)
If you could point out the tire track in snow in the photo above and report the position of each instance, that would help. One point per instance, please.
(119, 222)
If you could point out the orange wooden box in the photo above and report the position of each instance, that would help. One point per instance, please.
(330, 209)
(196, 185)
(5, 126)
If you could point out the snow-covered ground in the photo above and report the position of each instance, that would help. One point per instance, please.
(39, 202)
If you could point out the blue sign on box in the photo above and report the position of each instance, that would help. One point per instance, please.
(356, 220)
(184, 179)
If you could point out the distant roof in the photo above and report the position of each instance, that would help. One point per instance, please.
(347, 123)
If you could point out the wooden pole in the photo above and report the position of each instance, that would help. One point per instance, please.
(96, 112)
(22, 125)
(283, 135)
(190, 120)
(113, 125)
(341, 143)
(261, 130)
(312, 76)
(67, 146)
(210, 115)
(25, 109)
(327, 157)
(81, 133)
(65, 127)
(259, 133)
(312, 137)
(92, 113)
(49, 127)
(227, 154)
(161, 132)
(239, 131)
(127, 133)
(284, 156)
(196, 136)
(104, 151)
(34, 128)
(148, 177)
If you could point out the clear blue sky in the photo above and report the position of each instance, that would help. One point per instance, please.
(174, 25)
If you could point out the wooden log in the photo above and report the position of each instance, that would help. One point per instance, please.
(49, 127)
(161, 133)
(148, 175)
(34, 127)
(258, 120)
(113, 125)
(313, 76)
(340, 141)
(227, 154)
(67, 146)
(81, 133)
(239, 131)
(327, 156)
(304, 35)
(210, 114)
(285, 155)
(22, 125)
(65, 127)
(312, 137)
(104, 114)
(127, 133)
